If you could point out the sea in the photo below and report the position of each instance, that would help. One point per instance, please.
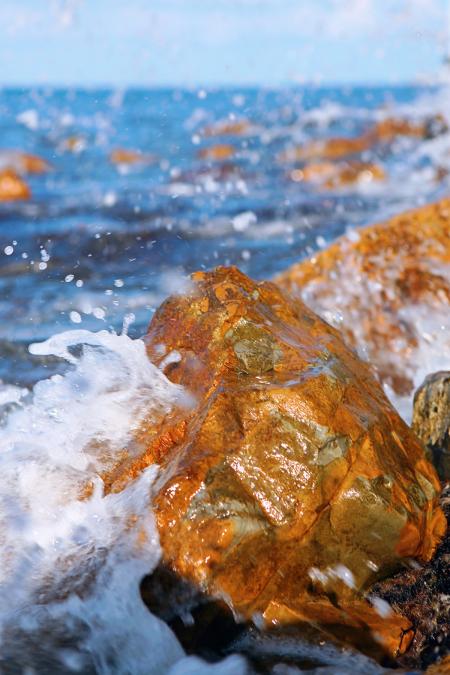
(84, 264)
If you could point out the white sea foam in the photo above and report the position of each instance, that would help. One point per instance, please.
(72, 564)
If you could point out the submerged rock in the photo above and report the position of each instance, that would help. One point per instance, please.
(387, 288)
(291, 485)
(13, 187)
(431, 419)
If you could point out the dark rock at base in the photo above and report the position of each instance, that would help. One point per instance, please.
(423, 595)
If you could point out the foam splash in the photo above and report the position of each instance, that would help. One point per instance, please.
(71, 564)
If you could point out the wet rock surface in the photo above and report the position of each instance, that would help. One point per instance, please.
(291, 485)
(387, 288)
(431, 419)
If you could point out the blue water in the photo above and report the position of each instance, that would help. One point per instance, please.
(116, 242)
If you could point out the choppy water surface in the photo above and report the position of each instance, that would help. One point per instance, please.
(99, 246)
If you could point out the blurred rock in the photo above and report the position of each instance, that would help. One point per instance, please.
(291, 484)
(331, 148)
(390, 128)
(23, 163)
(13, 187)
(440, 668)
(241, 127)
(123, 156)
(387, 288)
(343, 174)
(75, 144)
(431, 419)
(382, 132)
(217, 152)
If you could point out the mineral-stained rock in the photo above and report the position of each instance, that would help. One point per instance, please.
(387, 287)
(331, 175)
(291, 485)
(217, 152)
(12, 187)
(431, 419)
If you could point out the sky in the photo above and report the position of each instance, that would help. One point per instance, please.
(220, 42)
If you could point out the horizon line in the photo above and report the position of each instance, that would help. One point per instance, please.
(107, 86)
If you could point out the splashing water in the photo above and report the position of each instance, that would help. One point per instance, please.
(72, 564)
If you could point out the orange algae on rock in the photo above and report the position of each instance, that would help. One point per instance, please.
(13, 187)
(292, 485)
(379, 284)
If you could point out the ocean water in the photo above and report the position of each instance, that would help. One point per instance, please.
(83, 265)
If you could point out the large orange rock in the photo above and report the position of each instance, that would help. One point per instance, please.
(291, 485)
(387, 288)
(13, 187)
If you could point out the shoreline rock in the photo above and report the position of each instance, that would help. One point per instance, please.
(292, 485)
(387, 288)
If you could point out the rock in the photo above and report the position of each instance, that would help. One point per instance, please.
(380, 133)
(23, 162)
(217, 152)
(75, 144)
(387, 288)
(127, 157)
(241, 127)
(440, 668)
(331, 148)
(431, 419)
(13, 187)
(291, 485)
(422, 593)
(390, 128)
(342, 174)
